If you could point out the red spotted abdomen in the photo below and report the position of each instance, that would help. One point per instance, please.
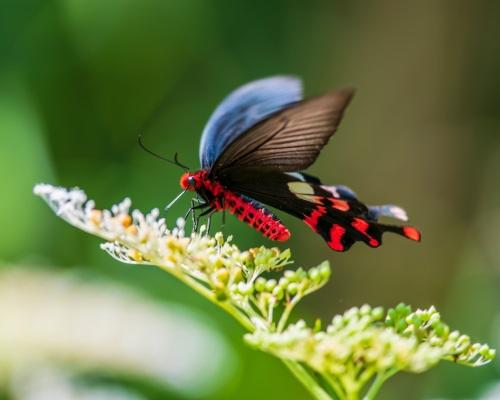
(255, 215)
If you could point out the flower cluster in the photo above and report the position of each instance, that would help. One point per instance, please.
(360, 346)
(427, 326)
(364, 342)
(214, 266)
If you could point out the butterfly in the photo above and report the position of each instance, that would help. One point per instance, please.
(253, 151)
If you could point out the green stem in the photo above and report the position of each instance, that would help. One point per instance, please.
(286, 313)
(207, 293)
(378, 382)
(309, 382)
(336, 386)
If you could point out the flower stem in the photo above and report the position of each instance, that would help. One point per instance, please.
(378, 382)
(309, 382)
(336, 386)
(207, 293)
(286, 313)
(297, 370)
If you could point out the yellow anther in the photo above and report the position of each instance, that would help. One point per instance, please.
(132, 230)
(125, 220)
(135, 255)
(96, 216)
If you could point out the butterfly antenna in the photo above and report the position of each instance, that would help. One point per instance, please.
(147, 150)
(176, 159)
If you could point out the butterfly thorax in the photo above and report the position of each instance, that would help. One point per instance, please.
(220, 198)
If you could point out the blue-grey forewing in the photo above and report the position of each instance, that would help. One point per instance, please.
(242, 109)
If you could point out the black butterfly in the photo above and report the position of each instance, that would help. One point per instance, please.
(251, 150)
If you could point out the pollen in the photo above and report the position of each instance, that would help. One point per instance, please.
(135, 255)
(132, 230)
(95, 217)
(125, 220)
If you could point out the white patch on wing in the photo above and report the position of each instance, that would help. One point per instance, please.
(332, 190)
(303, 191)
(300, 188)
(398, 212)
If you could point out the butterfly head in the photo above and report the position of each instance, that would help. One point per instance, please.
(188, 181)
(192, 180)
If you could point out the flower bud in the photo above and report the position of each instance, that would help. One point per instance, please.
(365, 309)
(219, 238)
(378, 313)
(220, 292)
(260, 284)
(283, 282)
(324, 270)
(222, 275)
(246, 289)
(271, 284)
(237, 274)
(315, 275)
(290, 275)
(292, 288)
(278, 292)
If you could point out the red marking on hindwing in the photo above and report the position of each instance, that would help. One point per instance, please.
(411, 233)
(312, 220)
(340, 205)
(336, 234)
(362, 226)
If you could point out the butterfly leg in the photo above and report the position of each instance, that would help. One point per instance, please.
(196, 218)
(223, 224)
(208, 213)
(209, 222)
(194, 206)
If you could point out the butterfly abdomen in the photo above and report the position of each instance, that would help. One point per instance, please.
(255, 215)
(247, 210)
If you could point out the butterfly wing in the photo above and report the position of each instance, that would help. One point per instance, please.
(290, 139)
(341, 219)
(244, 108)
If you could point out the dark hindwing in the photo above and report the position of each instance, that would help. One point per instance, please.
(289, 140)
(340, 220)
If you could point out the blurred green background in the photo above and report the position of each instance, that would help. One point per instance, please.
(79, 79)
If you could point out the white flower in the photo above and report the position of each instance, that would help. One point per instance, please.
(212, 265)
(51, 383)
(54, 318)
